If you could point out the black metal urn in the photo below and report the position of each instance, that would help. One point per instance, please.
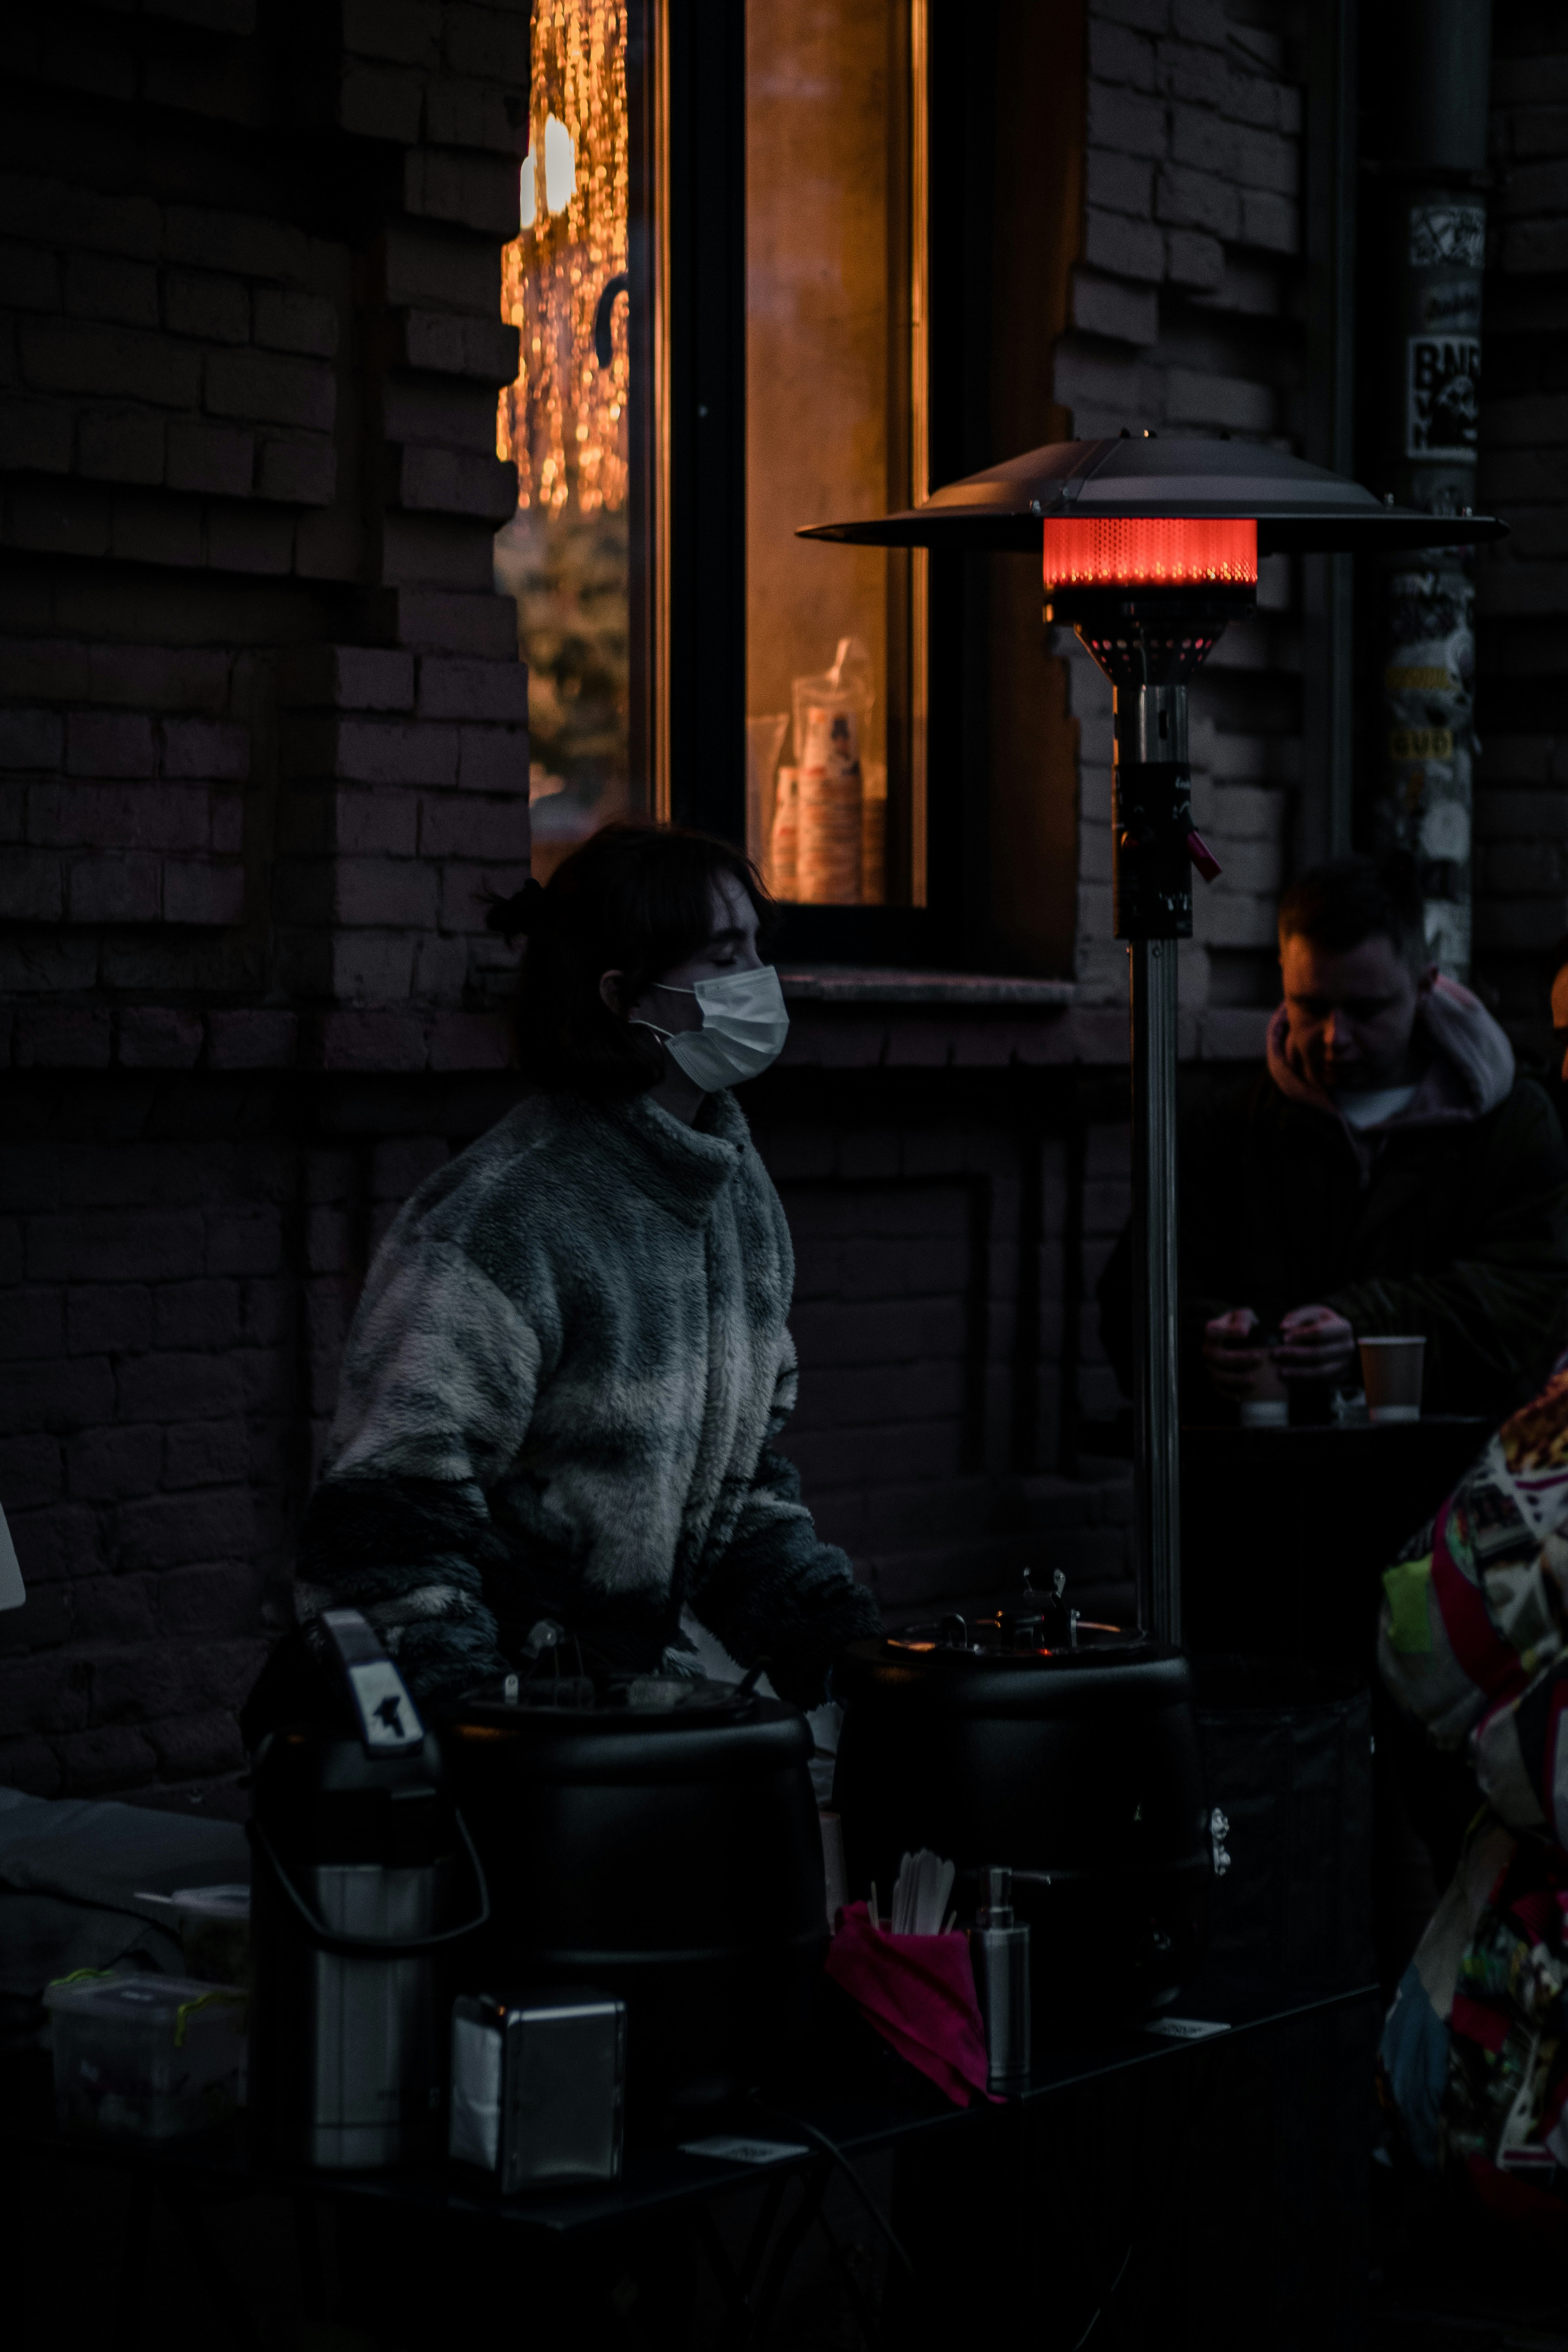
(657, 1839)
(1076, 1765)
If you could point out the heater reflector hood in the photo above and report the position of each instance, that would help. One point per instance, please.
(1295, 504)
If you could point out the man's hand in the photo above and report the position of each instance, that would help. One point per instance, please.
(1315, 1344)
(1234, 1360)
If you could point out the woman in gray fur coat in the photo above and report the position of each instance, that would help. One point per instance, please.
(565, 1379)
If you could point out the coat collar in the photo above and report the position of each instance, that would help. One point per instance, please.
(685, 1167)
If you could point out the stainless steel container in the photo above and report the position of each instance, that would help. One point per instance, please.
(358, 1872)
(538, 2085)
(999, 1949)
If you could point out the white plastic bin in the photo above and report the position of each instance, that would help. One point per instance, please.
(147, 2057)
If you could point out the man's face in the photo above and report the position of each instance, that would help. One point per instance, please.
(1351, 1013)
(1559, 1014)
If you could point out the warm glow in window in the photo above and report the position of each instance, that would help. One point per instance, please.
(563, 423)
(835, 664)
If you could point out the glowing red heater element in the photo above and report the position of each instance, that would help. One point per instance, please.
(1150, 552)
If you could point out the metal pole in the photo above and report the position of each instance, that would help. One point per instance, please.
(1429, 284)
(1324, 826)
(1154, 907)
(1156, 1414)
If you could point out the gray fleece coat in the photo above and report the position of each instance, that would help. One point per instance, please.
(560, 1398)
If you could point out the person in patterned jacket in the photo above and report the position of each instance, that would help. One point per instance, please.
(1473, 1645)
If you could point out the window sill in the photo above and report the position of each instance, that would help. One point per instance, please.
(857, 985)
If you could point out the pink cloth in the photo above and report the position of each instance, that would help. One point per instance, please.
(918, 1992)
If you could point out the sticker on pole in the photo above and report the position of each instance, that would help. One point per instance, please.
(1443, 399)
(1448, 237)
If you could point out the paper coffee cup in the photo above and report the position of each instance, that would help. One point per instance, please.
(1268, 1405)
(1391, 1370)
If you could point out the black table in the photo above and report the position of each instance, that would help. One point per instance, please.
(663, 2185)
(1286, 1532)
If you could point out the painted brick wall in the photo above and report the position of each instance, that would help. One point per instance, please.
(263, 742)
(181, 1249)
(1187, 309)
(1522, 802)
(180, 1252)
(262, 726)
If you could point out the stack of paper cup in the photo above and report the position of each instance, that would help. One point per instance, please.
(783, 860)
(1391, 1370)
(874, 837)
(829, 794)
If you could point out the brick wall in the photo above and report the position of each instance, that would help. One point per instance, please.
(181, 1249)
(262, 743)
(1522, 802)
(262, 727)
(1187, 309)
(180, 1252)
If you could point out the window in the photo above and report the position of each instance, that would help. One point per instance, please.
(835, 636)
(566, 556)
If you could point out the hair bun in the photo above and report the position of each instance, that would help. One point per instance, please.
(520, 916)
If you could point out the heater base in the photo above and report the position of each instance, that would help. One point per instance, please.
(1148, 637)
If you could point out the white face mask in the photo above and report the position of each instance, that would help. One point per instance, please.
(744, 1025)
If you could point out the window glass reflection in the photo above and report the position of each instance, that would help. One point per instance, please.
(563, 423)
(828, 387)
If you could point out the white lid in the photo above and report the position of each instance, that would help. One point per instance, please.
(136, 1994)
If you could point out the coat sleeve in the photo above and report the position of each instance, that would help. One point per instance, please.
(1494, 1316)
(767, 1584)
(436, 1392)
(1471, 1631)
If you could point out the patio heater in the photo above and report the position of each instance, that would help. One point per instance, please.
(1150, 548)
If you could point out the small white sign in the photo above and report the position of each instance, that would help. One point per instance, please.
(385, 1708)
(1185, 2029)
(743, 2151)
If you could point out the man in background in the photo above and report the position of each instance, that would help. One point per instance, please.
(1387, 1172)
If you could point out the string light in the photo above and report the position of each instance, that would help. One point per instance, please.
(564, 422)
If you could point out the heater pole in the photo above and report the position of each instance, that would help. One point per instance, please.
(1156, 1418)
(1151, 827)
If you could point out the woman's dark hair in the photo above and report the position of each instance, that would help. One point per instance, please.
(1345, 900)
(634, 899)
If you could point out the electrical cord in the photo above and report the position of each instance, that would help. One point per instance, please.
(831, 2149)
(1173, 2162)
(1106, 2298)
